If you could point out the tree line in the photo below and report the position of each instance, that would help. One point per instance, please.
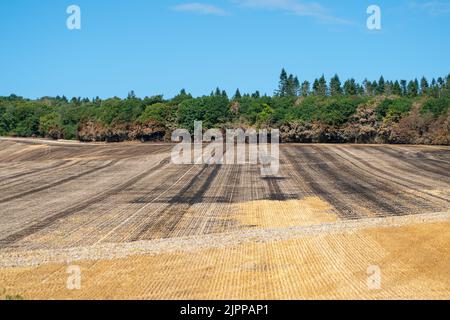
(289, 85)
(380, 111)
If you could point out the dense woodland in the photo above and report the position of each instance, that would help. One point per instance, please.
(402, 112)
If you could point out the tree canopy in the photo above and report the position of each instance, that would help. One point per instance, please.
(331, 105)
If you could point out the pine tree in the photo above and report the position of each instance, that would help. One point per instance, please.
(403, 84)
(381, 86)
(350, 88)
(306, 87)
(316, 87)
(397, 89)
(281, 92)
(413, 88)
(388, 87)
(359, 89)
(237, 95)
(424, 86)
(290, 86)
(323, 89)
(297, 88)
(131, 95)
(367, 87)
(335, 86)
(256, 95)
(434, 90)
(441, 84)
(374, 87)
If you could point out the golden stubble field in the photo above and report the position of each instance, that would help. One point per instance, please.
(139, 227)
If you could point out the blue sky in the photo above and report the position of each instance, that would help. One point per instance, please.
(156, 47)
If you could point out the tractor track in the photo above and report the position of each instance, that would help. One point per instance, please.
(442, 173)
(164, 223)
(57, 183)
(139, 197)
(305, 171)
(32, 172)
(45, 223)
(378, 191)
(382, 173)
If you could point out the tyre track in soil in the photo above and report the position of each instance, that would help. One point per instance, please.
(354, 185)
(411, 183)
(45, 223)
(443, 173)
(163, 224)
(430, 155)
(206, 218)
(342, 209)
(404, 167)
(31, 172)
(38, 174)
(58, 183)
(275, 193)
(226, 222)
(386, 186)
(380, 169)
(104, 226)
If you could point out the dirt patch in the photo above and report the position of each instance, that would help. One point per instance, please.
(289, 213)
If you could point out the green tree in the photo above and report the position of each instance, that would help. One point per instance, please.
(381, 86)
(397, 89)
(403, 84)
(306, 87)
(335, 86)
(282, 85)
(265, 117)
(323, 88)
(350, 88)
(50, 125)
(158, 112)
(413, 88)
(237, 95)
(424, 86)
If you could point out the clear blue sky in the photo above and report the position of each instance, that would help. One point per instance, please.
(157, 47)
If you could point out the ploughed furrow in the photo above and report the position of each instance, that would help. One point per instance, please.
(210, 215)
(164, 223)
(374, 194)
(403, 168)
(107, 220)
(411, 186)
(440, 172)
(31, 172)
(39, 226)
(139, 205)
(429, 155)
(400, 199)
(38, 175)
(274, 189)
(57, 183)
(25, 151)
(231, 191)
(313, 177)
(376, 165)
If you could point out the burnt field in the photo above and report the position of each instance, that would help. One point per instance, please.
(123, 211)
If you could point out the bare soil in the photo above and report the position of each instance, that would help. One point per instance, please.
(137, 224)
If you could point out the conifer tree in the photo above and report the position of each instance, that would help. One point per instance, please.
(335, 86)
(306, 87)
(237, 95)
(424, 86)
